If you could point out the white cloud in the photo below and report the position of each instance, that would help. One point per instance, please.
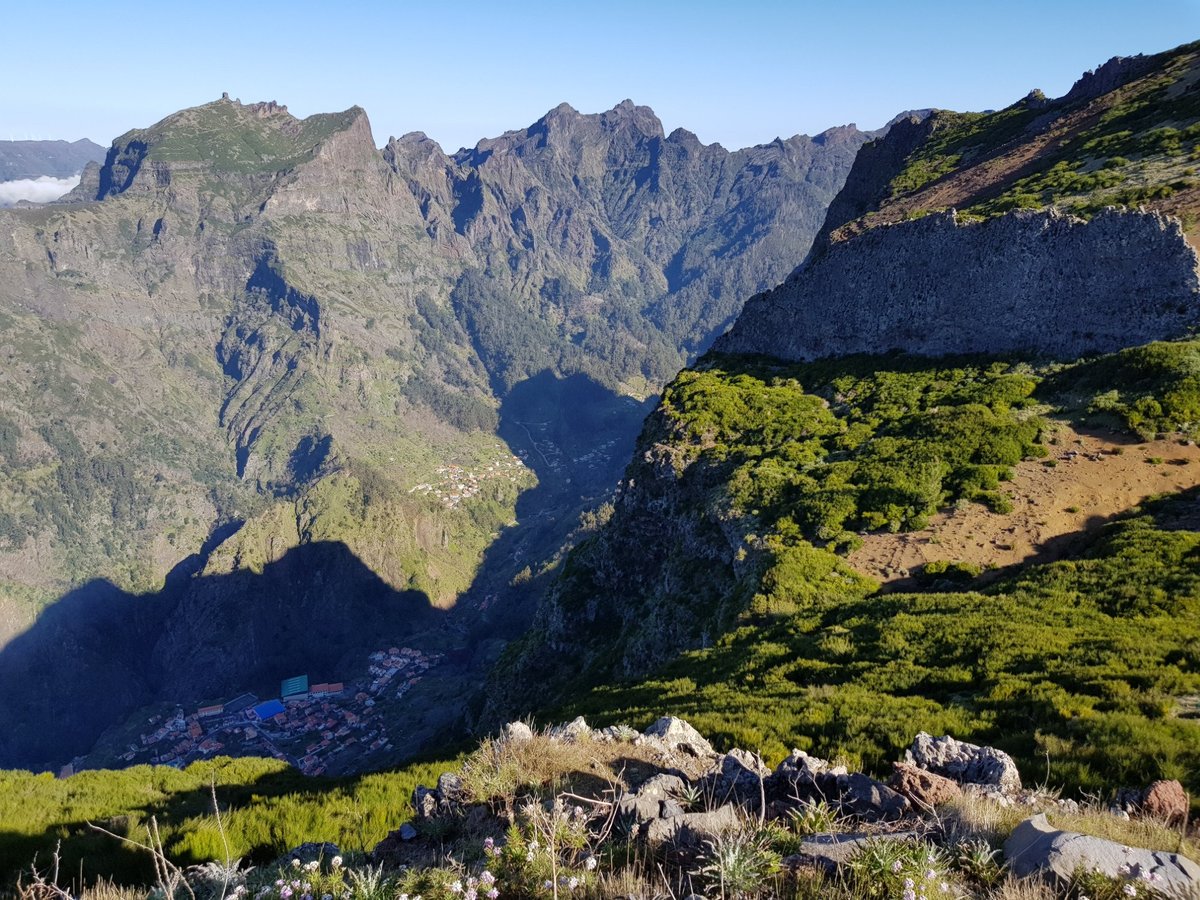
(39, 190)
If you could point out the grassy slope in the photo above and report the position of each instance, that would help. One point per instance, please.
(1138, 144)
(266, 809)
(1082, 660)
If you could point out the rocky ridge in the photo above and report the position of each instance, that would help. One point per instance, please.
(1035, 283)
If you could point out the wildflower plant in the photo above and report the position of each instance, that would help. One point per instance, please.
(814, 817)
(548, 853)
(739, 861)
(1131, 881)
(909, 870)
(314, 880)
(979, 861)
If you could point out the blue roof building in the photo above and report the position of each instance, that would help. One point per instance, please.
(268, 708)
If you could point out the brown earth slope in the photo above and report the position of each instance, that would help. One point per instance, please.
(1089, 477)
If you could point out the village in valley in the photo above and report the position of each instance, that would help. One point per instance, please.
(456, 484)
(318, 728)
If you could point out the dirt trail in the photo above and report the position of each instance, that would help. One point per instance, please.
(1095, 476)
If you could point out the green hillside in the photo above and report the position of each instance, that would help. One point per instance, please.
(1089, 661)
(1128, 135)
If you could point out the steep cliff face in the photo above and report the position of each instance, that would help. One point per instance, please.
(1025, 283)
(597, 234)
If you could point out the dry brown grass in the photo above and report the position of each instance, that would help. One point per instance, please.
(105, 889)
(1023, 889)
(501, 771)
(1147, 833)
(974, 817)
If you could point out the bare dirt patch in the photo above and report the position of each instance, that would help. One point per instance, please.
(1086, 480)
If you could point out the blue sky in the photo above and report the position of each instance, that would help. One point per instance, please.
(739, 74)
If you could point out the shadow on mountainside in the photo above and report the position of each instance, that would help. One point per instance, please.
(577, 436)
(99, 653)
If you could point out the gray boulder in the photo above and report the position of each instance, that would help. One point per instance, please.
(677, 735)
(965, 763)
(572, 731)
(1037, 848)
(739, 777)
(516, 733)
(655, 799)
(800, 777)
(691, 830)
(870, 800)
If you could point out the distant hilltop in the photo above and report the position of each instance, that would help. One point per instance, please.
(56, 159)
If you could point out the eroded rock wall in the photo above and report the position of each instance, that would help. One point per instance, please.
(1026, 282)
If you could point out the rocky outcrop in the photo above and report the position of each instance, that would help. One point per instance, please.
(924, 789)
(963, 762)
(1037, 848)
(1164, 800)
(1024, 283)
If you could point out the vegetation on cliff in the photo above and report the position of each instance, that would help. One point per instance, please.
(1127, 135)
(1085, 663)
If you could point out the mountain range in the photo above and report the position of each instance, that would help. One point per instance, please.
(56, 159)
(279, 401)
(246, 334)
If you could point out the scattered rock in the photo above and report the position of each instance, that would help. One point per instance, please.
(801, 777)
(571, 731)
(924, 789)
(677, 734)
(965, 763)
(653, 800)
(425, 802)
(739, 777)
(450, 789)
(1036, 847)
(516, 733)
(1166, 800)
(869, 799)
(407, 832)
(691, 830)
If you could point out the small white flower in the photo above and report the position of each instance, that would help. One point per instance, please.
(897, 866)
(591, 864)
(456, 887)
(336, 862)
(295, 863)
(1129, 890)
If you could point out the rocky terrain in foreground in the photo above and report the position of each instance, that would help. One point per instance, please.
(670, 795)
(574, 811)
